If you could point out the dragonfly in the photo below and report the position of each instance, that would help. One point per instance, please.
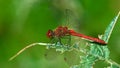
(62, 31)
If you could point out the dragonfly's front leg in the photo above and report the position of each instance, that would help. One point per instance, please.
(53, 41)
(56, 41)
(59, 40)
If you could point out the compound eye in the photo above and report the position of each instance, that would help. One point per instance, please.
(50, 34)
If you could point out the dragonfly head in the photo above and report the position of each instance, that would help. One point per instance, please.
(50, 34)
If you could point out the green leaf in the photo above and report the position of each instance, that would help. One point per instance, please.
(109, 29)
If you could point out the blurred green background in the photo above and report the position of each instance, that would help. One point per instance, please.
(23, 22)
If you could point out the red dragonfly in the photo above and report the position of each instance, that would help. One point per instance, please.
(62, 31)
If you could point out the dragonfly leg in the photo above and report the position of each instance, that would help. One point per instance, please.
(53, 41)
(69, 41)
(59, 40)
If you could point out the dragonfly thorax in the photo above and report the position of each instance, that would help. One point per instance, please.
(61, 31)
(58, 32)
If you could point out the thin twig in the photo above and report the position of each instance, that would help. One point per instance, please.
(34, 44)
